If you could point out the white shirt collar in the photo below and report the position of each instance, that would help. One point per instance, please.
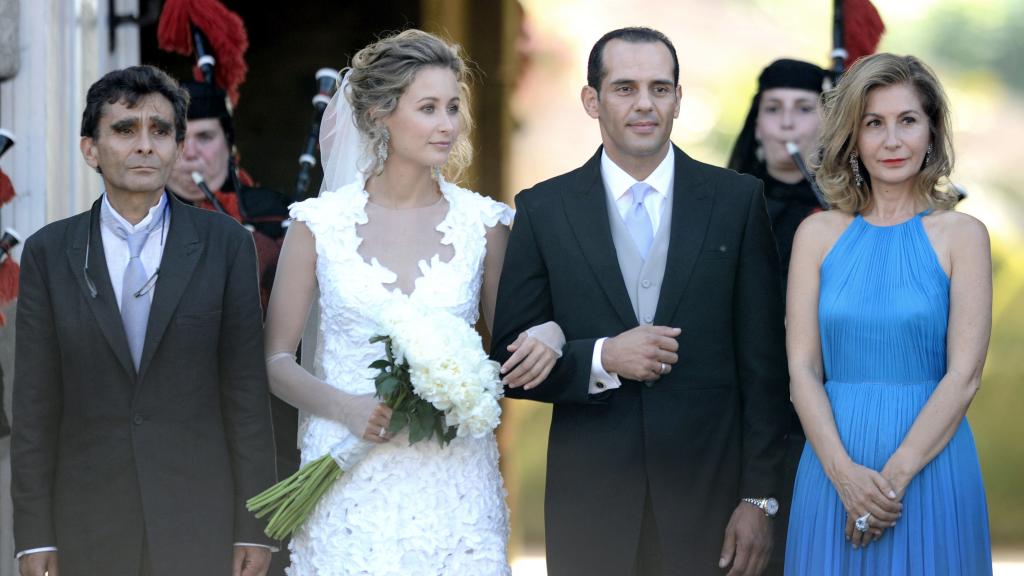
(618, 182)
(112, 218)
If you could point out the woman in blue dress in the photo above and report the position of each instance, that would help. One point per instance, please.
(888, 316)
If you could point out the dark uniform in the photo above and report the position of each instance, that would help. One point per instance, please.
(788, 205)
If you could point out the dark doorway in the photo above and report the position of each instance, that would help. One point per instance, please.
(288, 42)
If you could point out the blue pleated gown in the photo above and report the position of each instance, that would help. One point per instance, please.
(883, 314)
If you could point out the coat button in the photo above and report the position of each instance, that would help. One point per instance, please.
(138, 419)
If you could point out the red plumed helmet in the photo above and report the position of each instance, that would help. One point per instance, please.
(223, 28)
(862, 29)
(9, 269)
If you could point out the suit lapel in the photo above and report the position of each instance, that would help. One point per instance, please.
(86, 238)
(182, 250)
(587, 213)
(691, 213)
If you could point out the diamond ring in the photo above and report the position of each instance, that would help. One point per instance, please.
(383, 431)
(862, 523)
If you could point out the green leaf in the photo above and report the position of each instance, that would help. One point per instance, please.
(380, 364)
(386, 386)
(428, 416)
(398, 423)
(417, 432)
(379, 338)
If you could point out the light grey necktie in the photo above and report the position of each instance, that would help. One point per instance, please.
(134, 304)
(638, 221)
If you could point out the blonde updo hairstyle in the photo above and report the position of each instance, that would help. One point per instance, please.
(842, 117)
(380, 74)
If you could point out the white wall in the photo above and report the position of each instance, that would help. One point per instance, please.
(64, 49)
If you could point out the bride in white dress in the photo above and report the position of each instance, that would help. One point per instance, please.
(395, 229)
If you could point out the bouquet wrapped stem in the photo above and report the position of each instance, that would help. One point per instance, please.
(438, 382)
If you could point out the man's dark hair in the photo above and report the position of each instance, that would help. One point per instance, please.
(636, 35)
(129, 85)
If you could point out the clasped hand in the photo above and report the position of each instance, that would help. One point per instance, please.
(644, 353)
(865, 491)
(534, 354)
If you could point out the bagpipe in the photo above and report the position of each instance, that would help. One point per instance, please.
(203, 28)
(857, 29)
(326, 85)
(216, 37)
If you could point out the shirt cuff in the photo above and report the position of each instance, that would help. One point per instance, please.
(34, 551)
(271, 548)
(600, 379)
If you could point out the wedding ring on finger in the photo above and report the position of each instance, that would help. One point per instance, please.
(862, 524)
(661, 368)
(383, 431)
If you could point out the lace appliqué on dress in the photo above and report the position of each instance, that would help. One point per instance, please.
(404, 509)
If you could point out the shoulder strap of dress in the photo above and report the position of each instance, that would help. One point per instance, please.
(489, 210)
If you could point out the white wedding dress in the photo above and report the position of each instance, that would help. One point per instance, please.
(403, 510)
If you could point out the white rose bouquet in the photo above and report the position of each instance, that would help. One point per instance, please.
(437, 380)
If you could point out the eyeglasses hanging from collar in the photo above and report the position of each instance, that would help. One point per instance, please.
(150, 283)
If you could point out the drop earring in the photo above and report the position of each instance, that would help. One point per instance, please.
(855, 166)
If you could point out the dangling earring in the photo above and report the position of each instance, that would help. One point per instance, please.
(928, 155)
(759, 153)
(382, 149)
(855, 166)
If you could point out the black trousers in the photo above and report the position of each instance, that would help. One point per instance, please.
(648, 551)
(144, 564)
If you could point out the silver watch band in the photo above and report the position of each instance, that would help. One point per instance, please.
(767, 505)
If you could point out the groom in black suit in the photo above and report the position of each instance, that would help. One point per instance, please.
(141, 413)
(665, 448)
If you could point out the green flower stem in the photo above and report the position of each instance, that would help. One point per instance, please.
(290, 501)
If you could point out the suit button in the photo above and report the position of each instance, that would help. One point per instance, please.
(646, 283)
(138, 419)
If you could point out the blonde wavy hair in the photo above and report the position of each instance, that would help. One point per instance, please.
(380, 74)
(842, 112)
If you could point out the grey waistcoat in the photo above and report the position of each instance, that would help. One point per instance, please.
(642, 277)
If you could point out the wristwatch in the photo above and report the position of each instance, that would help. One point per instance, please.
(770, 506)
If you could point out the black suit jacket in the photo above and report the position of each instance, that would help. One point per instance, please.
(698, 439)
(103, 457)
